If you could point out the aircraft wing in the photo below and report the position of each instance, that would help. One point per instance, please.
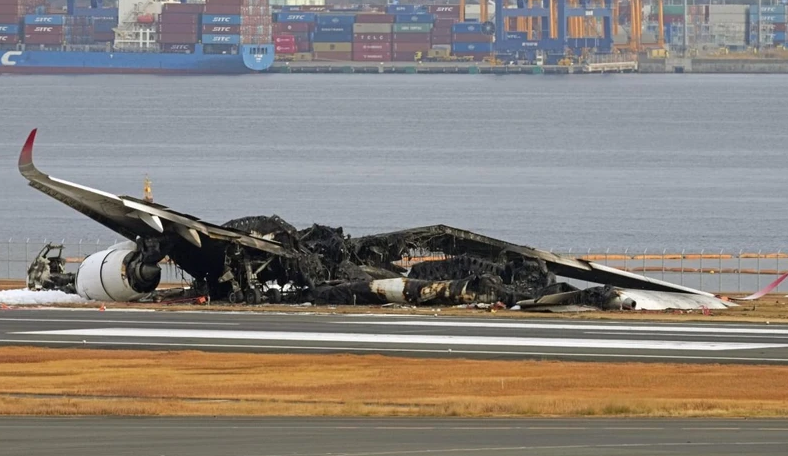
(132, 217)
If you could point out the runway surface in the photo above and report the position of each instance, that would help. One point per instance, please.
(402, 336)
(389, 437)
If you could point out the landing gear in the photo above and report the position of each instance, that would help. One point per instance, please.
(240, 273)
(253, 296)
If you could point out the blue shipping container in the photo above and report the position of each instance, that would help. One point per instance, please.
(471, 47)
(294, 17)
(517, 36)
(221, 39)
(334, 29)
(104, 27)
(779, 9)
(414, 18)
(212, 19)
(332, 37)
(33, 19)
(335, 19)
(779, 37)
(96, 12)
(405, 9)
(9, 29)
(466, 27)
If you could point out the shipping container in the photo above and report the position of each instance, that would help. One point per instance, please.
(6, 19)
(332, 47)
(256, 11)
(770, 19)
(374, 19)
(371, 47)
(103, 36)
(471, 38)
(779, 27)
(182, 8)
(282, 27)
(412, 37)
(231, 10)
(477, 56)
(411, 47)
(332, 37)
(221, 19)
(179, 18)
(372, 56)
(284, 39)
(442, 22)
(414, 18)
(335, 19)
(305, 46)
(404, 56)
(225, 2)
(9, 39)
(778, 9)
(471, 47)
(44, 20)
(444, 11)
(177, 38)
(222, 29)
(9, 29)
(178, 28)
(334, 56)
(372, 37)
(372, 28)
(673, 10)
(12, 10)
(221, 39)
(412, 28)
(305, 8)
(43, 29)
(441, 40)
(779, 37)
(294, 17)
(44, 39)
(334, 28)
(405, 9)
(285, 48)
(178, 48)
(97, 13)
(466, 27)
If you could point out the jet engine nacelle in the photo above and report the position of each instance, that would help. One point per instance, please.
(116, 274)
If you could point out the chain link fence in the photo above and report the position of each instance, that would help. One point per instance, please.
(720, 271)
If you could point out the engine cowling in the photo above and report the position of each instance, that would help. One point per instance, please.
(116, 274)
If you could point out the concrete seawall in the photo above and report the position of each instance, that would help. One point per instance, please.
(721, 66)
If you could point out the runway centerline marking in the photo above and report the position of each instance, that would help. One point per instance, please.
(388, 339)
(579, 327)
(131, 322)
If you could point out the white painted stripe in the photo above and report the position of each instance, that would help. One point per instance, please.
(407, 339)
(580, 327)
(730, 359)
(68, 320)
(634, 333)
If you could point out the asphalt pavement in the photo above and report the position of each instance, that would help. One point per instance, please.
(420, 336)
(389, 437)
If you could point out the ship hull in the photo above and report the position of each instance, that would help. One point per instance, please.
(250, 59)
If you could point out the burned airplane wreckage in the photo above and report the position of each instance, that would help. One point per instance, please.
(265, 259)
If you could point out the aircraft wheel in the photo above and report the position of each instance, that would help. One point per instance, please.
(253, 296)
(274, 296)
(235, 297)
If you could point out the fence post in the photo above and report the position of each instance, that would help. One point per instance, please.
(759, 270)
(719, 271)
(682, 267)
(738, 270)
(589, 259)
(778, 268)
(663, 263)
(644, 262)
(700, 269)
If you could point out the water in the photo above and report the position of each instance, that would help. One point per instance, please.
(616, 161)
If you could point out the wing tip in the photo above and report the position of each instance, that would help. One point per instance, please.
(26, 157)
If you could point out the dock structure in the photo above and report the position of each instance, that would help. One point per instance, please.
(449, 68)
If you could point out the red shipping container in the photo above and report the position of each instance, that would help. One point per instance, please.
(313, 8)
(179, 18)
(404, 57)
(471, 38)
(413, 37)
(224, 2)
(297, 27)
(183, 8)
(178, 38)
(779, 27)
(43, 30)
(372, 56)
(178, 28)
(301, 37)
(284, 39)
(44, 39)
(443, 22)
(441, 40)
(444, 10)
(371, 47)
(441, 34)
(334, 55)
(9, 39)
(10, 2)
(306, 46)
(374, 19)
(12, 10)
(372, 37)
(177, 48)
(232, 10)
(222, 29)
(441, 30)
(9, 19)
(286, 48)
(410, 47)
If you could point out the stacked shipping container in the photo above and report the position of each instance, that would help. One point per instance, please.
(333, 37)
(179, 27)
(469, 41)
(256, 21)
(767, 26)
(445, 18)
(12, 13)
(372, 37)
(44, 30)
(293, 32)
(412, 34)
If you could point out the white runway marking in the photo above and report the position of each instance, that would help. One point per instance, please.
(407, 339)
(64, 320)
(580, 327)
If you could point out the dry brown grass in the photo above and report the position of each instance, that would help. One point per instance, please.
(108, 382)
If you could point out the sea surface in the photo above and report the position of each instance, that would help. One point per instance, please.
(584, 162)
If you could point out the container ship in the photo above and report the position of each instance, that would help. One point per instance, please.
(215, 37)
